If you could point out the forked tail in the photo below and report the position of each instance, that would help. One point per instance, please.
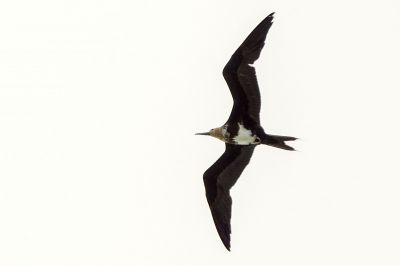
(278, 141)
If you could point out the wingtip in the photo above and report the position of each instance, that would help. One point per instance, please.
(227, 246)
(269, 18)
(226, 239)
(225, 235)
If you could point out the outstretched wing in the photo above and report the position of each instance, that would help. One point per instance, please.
(218, 179)
(241, 77)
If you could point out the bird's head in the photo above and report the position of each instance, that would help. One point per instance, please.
(215, 132)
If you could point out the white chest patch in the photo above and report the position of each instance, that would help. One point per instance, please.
(245, 136)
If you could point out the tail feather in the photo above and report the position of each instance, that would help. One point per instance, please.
(278, 142)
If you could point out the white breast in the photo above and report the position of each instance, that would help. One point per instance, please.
(245, 136)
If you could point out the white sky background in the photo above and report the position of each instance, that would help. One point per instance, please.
(100, 100)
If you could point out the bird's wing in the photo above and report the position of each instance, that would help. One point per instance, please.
(218, 179)
(241, 76)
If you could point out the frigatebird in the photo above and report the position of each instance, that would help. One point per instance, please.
(242, 132)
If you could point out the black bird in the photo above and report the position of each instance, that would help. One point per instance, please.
(242, 132)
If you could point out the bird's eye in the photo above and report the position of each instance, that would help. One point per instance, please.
(258, 140)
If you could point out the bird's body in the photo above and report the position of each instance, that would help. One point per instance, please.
(238, 136)
(245, 136)
(242, 132)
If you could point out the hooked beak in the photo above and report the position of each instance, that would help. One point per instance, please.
(205, 133)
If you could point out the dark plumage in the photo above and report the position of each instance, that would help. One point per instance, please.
(242, 132)
(218, 179)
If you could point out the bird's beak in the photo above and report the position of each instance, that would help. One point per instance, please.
(205, 133)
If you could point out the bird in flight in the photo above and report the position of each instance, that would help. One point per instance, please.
(242, 132)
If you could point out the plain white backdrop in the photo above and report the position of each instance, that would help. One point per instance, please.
(100, 100)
